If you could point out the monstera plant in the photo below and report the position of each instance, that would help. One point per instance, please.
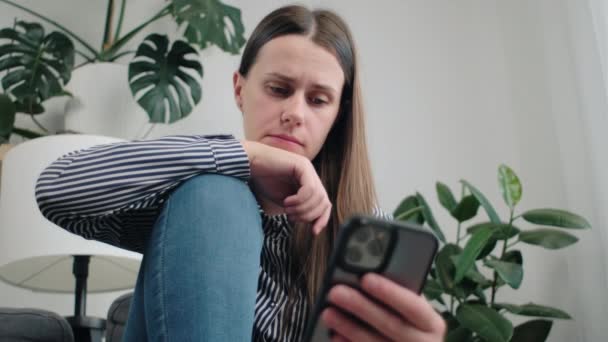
(469, 271)
(164, 78)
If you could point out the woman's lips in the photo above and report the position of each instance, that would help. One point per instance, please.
(287, 139)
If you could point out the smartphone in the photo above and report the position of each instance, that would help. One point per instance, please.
(400, 251)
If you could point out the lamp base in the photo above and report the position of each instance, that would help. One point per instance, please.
(87, 329)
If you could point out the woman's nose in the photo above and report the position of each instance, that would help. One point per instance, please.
(294, 111)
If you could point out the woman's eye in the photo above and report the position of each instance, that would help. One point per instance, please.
(318, 101)
(279, 90)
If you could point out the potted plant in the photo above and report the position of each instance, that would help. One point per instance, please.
(37, 66)
(469, 270)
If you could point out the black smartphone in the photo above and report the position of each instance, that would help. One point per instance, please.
(400, 251)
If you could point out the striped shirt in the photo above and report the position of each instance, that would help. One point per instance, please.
(113, 193)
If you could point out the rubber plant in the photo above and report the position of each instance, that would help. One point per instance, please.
(469, 271)
(164, 77)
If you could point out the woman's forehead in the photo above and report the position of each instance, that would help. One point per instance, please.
(298, 58)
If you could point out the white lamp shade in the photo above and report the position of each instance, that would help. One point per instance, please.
(35, 253)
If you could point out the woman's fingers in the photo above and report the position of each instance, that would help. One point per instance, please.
(346, 328)
(412, 307)
(276, 174)
(304, 202)
(321, 222)
(388, 323)
(339, 338)
(304, 193)
(310, 211)
(310, 203)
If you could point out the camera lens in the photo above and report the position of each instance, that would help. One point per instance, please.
(375, 247)
(353, 254)
(362, 234)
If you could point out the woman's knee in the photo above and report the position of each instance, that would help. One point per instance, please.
(215, 201)
(220, 190)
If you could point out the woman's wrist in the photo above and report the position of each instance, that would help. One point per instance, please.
(249, 147)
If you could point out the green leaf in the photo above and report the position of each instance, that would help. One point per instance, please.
(446, 270)
(473, 273)
(26, 133)
(432, 290)
(450, 320)
(159, 81)
(487, 323)
(483, 225)
(409, 210)
(428, 217)
(479, 293)
(445, 267)
(458, 334)
(511, 273)
(534, 310)
(210, 22)
(29, 105)
(502, 231)
(513, 256)
(557, 218)
(483, 201)
(505, 231)
(7, 116)
(509, 184)
(532, 331)
(472, 249)
(446, 198)
(548, 238)
(466, 209)
(488, 248)
(37, 66)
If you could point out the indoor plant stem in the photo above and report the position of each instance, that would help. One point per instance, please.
(52, 22)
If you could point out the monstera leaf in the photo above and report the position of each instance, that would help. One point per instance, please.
(7, 117)
(158, 79)
(210, 22)
(37, 66)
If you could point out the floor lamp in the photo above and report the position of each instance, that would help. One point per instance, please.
(36, 254)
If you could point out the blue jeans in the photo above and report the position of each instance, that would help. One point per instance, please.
(199, 274)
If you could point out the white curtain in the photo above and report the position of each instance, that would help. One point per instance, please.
(576, 50)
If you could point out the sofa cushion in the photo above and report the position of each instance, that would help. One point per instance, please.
(117, 317)
(33, 325)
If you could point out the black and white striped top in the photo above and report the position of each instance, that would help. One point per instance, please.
(113, 193)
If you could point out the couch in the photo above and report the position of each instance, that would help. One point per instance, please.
(36, 325)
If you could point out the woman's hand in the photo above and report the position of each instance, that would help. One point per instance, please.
(289, 180)
(413, 319)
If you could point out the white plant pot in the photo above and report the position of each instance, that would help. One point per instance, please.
(52, 119)
(103, 104)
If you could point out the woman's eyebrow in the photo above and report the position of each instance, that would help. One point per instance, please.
(289, 79)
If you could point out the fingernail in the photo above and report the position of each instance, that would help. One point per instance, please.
(371, 280)
(327, 317)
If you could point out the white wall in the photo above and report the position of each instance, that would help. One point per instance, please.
(453, 89)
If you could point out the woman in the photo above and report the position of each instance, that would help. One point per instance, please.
(201, 208)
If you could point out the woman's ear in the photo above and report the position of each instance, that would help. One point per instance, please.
(237, 83)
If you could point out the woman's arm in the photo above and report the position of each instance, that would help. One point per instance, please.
(113, 193)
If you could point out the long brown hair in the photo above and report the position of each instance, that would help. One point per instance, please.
(342, 163)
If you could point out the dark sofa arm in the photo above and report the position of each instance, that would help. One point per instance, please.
(33, 325)
(117, 318)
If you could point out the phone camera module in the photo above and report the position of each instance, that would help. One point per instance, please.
(354, 254)
(374, 247)
(363, 234)
(366, 247)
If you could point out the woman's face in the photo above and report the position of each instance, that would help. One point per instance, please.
(291, 96)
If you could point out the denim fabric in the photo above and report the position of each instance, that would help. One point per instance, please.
(199, 274)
